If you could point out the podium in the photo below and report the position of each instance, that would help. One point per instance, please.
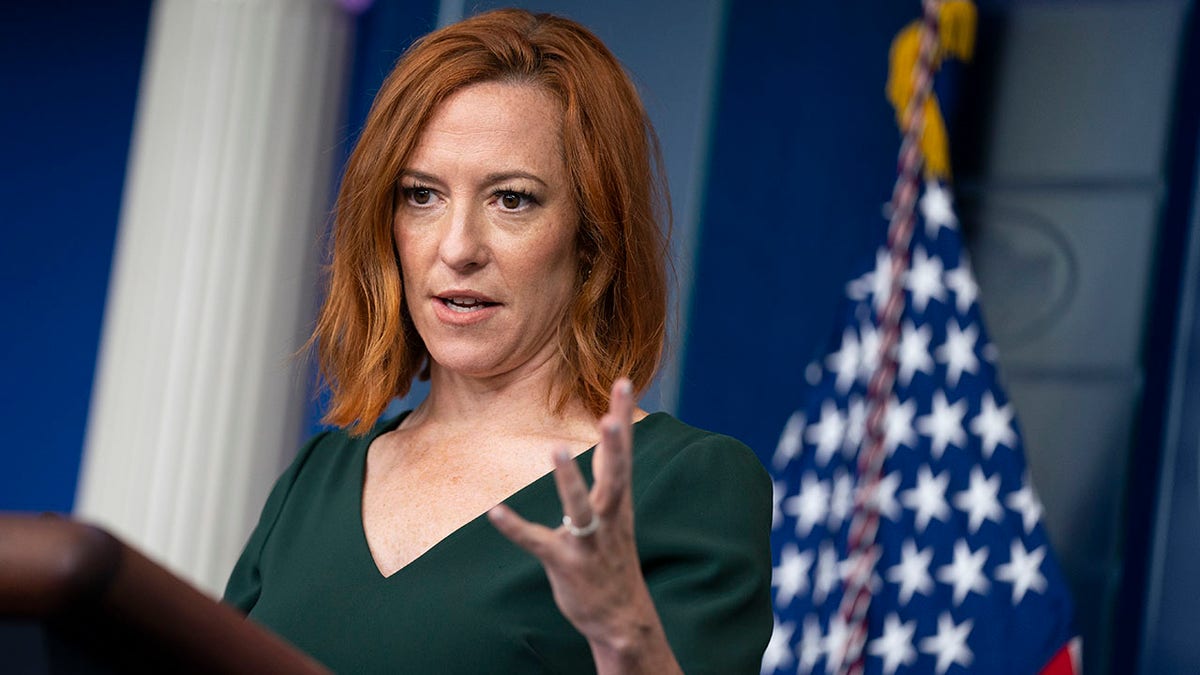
(75, 599)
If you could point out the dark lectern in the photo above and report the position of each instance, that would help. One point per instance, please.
(74, 599)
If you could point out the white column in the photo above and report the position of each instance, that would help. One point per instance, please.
(197, 403)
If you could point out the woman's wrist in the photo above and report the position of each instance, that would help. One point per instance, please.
(636, 643)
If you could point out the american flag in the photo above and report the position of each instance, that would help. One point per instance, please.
(965, 580)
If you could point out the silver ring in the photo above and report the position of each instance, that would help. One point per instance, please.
(586, 530)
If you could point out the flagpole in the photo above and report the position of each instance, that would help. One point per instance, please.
(864, 525)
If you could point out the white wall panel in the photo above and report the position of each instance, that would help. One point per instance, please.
(197, 403)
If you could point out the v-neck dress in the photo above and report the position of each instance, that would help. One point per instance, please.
(476, 603)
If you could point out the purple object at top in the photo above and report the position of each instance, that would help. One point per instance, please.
(355, 6)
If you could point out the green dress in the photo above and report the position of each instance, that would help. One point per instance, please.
(476, 603)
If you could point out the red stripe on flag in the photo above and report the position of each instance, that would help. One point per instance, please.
(1066, 661)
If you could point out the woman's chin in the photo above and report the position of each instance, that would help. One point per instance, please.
(481, 363)
(473, 363)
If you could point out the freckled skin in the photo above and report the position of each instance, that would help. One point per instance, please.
(486, 206)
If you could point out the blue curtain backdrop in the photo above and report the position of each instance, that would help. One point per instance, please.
(69, 73)
(802, 159)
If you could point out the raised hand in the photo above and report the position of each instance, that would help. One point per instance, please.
(592, 560)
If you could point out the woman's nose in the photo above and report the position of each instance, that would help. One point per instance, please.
(463, 244)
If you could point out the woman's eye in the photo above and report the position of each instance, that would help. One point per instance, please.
(511, 200)
(419, 196)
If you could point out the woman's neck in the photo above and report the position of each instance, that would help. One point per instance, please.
(519, 401)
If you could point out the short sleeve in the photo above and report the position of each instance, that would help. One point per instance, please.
(703, 528)
(245, 582)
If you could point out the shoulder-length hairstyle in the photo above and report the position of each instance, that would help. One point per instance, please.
(368, 349)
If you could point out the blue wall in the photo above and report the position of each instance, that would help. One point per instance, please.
(69, 72)
(802, 160)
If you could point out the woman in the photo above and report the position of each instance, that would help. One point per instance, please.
(496, 232)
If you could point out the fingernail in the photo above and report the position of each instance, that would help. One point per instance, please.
(614, 428)
(626, 387)
(496, 513)
(562, 456)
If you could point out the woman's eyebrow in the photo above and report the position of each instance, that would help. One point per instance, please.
(421, 176)
(502, 176)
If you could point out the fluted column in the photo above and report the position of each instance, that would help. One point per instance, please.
(198, 402)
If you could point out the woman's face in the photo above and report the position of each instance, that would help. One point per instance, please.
(485, 227)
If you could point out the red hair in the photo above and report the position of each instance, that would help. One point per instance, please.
(367, 346)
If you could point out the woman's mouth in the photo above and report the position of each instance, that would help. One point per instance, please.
(464, 305)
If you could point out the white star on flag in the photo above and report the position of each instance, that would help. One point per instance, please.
(1023, 570)
(868, 354)
(845, 361)
(790, 441)
(937, 206)
(979, 501)
(1025, 502)
(883, 496)
(993, 425)
(791, 576)
(958, 351)
(841, 502)
(779, 652)
(895, 645)
(962, 282)
(855, 563)
(912, 572)
(950, 643)
(810, 506)
(827, 577)
(898, 425)
(828, 433)
(944, 424)
(856, 426)
(924, 279)
(928, 498)
(810, 648)
(834, 644)
(965, 572)
(859, 288)
(913, 354)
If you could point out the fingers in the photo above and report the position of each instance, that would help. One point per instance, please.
(614, 453)
(612, 466)
(613, 478)
(593, 571)
(621, 401)
(572, 490)
(621, 407)
(529, 536)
